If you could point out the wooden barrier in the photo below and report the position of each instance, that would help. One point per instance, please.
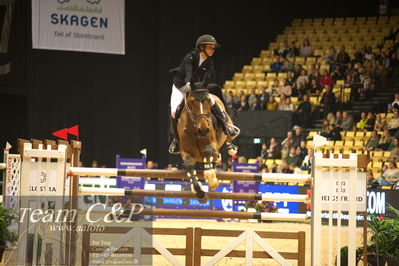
(189, 194)
(227, 214)
(179, 174)
(194, 251)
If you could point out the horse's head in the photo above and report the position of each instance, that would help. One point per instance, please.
(199, 109)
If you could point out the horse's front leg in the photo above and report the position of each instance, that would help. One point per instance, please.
(196, 186)
(210, 155)
(231, 148)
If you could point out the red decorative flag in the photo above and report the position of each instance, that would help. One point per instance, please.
(74, 130)
(62, 134)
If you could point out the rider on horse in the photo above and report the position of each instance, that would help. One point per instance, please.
(197, 66)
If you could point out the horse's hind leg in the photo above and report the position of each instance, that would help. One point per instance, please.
(196, 186)
(210, 156)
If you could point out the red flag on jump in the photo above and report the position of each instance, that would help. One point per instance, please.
(74, 131)
(62, 134)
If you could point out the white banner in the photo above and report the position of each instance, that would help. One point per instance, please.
(79, 25)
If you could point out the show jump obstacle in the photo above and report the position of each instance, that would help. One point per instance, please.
(47, 169)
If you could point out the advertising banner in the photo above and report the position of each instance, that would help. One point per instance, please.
(127, 181)
(79, 25)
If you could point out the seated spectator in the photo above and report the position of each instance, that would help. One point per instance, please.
(363, 119)
(338, 119)
(293, 51)
(367, 88)
(284, 168)
(372, 183)
(289, 138)
(294, 169)
(348, 81)
(273, 88)
(331, 118)
(342, 57)
(230, 102)
(325, 129)
(394, 156)
(373, 141)
(349, 69)
(306, 49)
(314, 87)
(393, 124)
(380, 123)
(251, 97)
(298, 137)
(386, 141)
(243, 104)
(274, 151)
(287, 66)
(369, 126)
(337, 74)
(286, 104)
(282, 50)
(303, 113)
(276, 65)
(347, 121)
(285, 149)
(302, 76)
(315, 75)
(307, 161)
(334, 133)
(292, 157)
(302, 151)
(263, 98)
(391, 175)
(326, 79)
(239, 96)
(272, 104)
(330, 56)
(263, 151)
(285, 90)
(327, 102)
(303, 88)
(394, 104)
(255, 105)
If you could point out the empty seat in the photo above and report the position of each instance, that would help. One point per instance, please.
(238, 76)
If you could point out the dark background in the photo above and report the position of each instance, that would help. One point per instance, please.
(121, 102)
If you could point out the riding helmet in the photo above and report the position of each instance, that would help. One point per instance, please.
(205, 39)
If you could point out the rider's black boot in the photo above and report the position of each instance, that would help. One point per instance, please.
(174, 147)
(221, 116)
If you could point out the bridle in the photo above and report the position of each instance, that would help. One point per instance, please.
(194, 118)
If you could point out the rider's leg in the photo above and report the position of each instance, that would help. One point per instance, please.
(222, 117)
(175, 100)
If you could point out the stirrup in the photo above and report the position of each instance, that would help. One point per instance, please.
(174, 147)
(232, 130)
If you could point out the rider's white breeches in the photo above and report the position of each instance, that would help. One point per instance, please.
(177, 97)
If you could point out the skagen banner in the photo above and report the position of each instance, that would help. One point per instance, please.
(79, 25)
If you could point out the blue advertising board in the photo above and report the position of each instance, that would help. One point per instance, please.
(283, 206)
(130, 163)
(244, 186)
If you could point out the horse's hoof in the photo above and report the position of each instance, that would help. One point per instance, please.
(203, 198)
(232, 150)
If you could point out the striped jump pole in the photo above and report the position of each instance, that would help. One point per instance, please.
(189, 194)
(227, 214)
(179, 174)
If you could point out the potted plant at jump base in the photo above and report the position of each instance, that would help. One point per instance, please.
(6, 217)
(383, 246)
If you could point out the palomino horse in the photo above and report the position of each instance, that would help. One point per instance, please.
(200, 140)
